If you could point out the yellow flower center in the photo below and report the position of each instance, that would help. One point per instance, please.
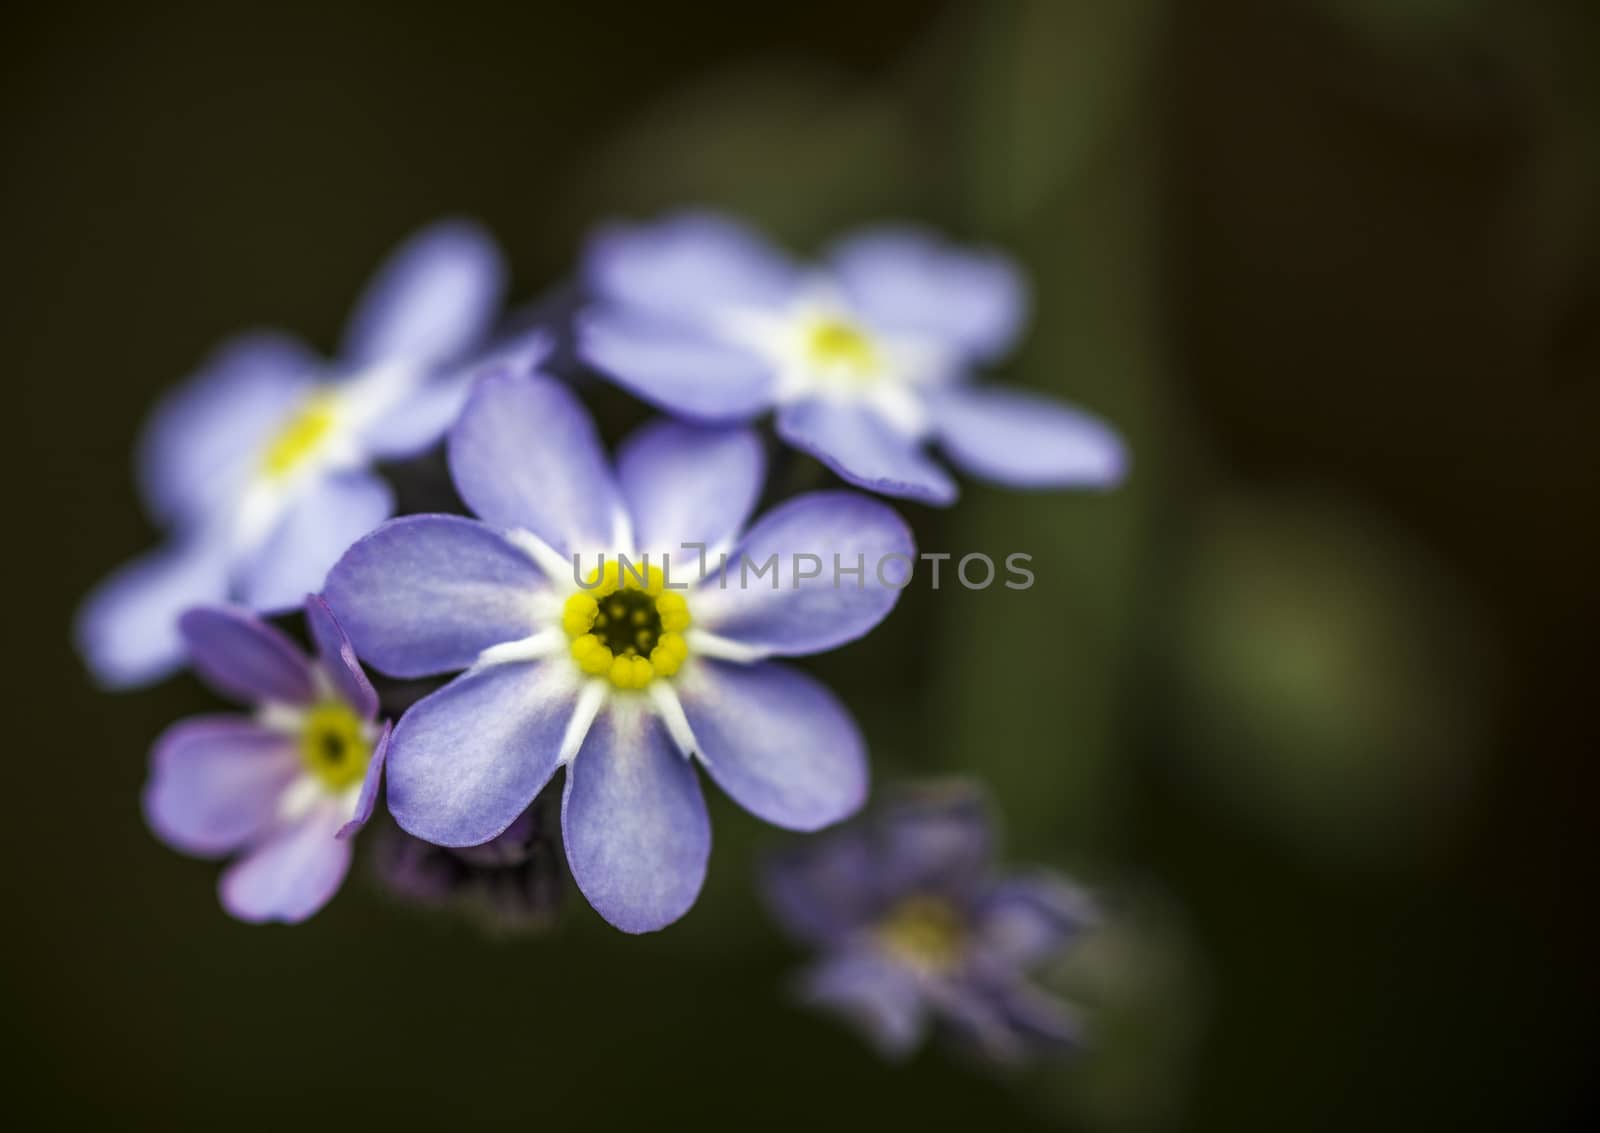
(300, 435)
(841, 347)
(627, 627)
(334, 745)
(923, 932)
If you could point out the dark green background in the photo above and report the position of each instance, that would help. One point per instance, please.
(1311, 699)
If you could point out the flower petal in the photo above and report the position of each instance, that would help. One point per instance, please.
(196, 448)
(1026, 920)
(367, 799)
(908, 281)
(526, 345)
(863, 449)
(688, 266)
(419, 421)
(681, 370)
(784, 613)
(777, 741)
(1040, 1020)
(215, 782)
(881, 999)
(243, 657)
(426, 594)
(1006, 1021)
(525, 454)
(127, 628)
(634, 822)
(432, 299)
(338, 658)
(934, 838)
(687, 484)
(292, 874)
(314, 531)
(1025, 440)
(465, 761)
(824, 888)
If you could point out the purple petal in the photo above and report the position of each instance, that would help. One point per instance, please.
(908, 281)
(215, 782)
(880, 998)
(864, 450)
(778, 742)
(1026, 440)
(682, 370)
(687, 484)
(522, 351)
(1026, 920)
(420, 421)
(331, 514)
(824, 888)
(244, 658)
(338, 658)
(198, 445)
(1007, 1022)
(127, 628)
(368, 797)
(427, 593)
(785, 614)
(432, 299)
(467, 760)
(687, 267)
(936, 838)
(1040, 1021)
(525, 454)
(292, 874)
(634, 822)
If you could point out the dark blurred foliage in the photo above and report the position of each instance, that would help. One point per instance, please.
(1309, 700)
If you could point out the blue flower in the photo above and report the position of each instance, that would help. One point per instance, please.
(865, 358)
(260, 466)
(914, 928)
(616, 674)
(285, 788)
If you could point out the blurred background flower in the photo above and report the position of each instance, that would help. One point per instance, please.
(1307, 700)
(918, 929)
(509, 886)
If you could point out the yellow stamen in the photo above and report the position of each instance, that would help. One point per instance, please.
(627, 627)
(924, 932)
(834, 344)
(300, 435)
(334, 745)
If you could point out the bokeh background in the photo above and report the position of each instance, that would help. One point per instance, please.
(1311, 700)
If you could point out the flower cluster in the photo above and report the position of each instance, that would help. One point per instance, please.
(564, 655)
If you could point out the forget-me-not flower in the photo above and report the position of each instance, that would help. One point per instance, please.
(914, 928)
(616, 674)
(866, 357)
(260, 467)
(284, 788)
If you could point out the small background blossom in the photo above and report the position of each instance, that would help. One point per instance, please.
(916, 927)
